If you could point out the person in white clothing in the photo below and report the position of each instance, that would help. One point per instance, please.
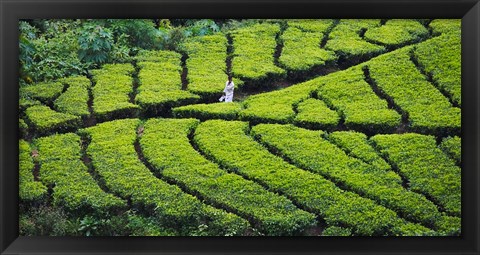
(228, 91)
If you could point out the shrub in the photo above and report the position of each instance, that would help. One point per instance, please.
(116, 161)
(160, 82)
(311, 191)
(45, 120)
(23, 127)
(254, 47)
(29, 189)
(452, 146)
(428, 169)
(427, 109)
(440, 58)
(46, 221)
(206, 65)
(227, 111)
(307, 150)
(301, 50)
(46, 92)
(336, 231)
(74, 188)
(95, 42)
(147, 226)
(397, 32)
(357, 145)
(443, 26)
(315, 114)
(166, 146)
(311, 25)
(277, 106)
(111, 91)
(355, 100)
(75, 99)
(25, 102)
(345, 39)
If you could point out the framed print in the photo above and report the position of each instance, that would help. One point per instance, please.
(238, 127)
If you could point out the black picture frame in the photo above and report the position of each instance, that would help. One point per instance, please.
(13, 10)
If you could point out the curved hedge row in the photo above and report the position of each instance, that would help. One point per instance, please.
(428, 110)
(446, 26)
(73, 187)
(429, 170)
(114, 84)
(306, 149)
(301, 50)
(355, 100)
(397, 32)
(45, 120)
(206, 65)
(453, 147)
(440, 57)
(46, 92)
(208, 111)
(346, 41)
(357, 145)
(75, 99)
(114, 158)
(315, 114)
(277, 106)
(309, 190)
(166, 146)
(254, 48)
(160, 82)
(29, 189)
(311, 25)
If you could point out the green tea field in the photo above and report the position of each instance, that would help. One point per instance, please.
(337, 128)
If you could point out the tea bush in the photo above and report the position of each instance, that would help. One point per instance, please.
(301, 50)
(166, 146)
(75, 99)
(111, 92)
(206, 65)
(45, 120)
(307, 150)
(315, 114)
(357, 145)
(355, 100)
(428, 110)
(311, 25)
(29, 189)
(452, 146)
(46, 92)
(73, 187)
(277, 106)
(397, 32)
(227, 111)
(428, 169)
(116, 161)
(254, 47)
(160, 82)
(306, 189)
(345, 39)
(440, 58)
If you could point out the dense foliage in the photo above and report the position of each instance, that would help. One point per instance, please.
(338, 127)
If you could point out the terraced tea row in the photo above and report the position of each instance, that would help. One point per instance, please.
(115, 160)
(308, 150)
(61, 168)
(249, 188)
(311, 191)
(160, 87)
(166, 147)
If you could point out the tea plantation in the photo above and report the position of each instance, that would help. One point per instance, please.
(337, 128)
